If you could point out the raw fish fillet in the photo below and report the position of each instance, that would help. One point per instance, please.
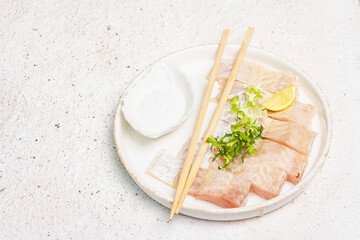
(298, 113)
(165, 167)
(222, 128)
(207, 161)
(239, 89)
(220, 188)
(267, 177)
(227, 117)
(292, 135)
(283, 157)
(260, 76)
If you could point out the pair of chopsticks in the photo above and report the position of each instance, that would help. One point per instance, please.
(188, 175)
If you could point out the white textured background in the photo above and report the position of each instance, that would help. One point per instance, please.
(63, 67)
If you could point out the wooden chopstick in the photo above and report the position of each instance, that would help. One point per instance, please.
(204, 145)
(199, 122)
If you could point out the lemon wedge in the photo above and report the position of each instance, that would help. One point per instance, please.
(281, 100)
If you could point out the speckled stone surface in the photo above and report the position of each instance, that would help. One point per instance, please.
(63, 67)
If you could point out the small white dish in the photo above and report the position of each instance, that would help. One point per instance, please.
(158, 101)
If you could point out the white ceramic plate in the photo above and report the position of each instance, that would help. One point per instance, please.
(136, 151)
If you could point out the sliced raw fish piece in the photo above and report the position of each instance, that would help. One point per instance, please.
(266, 177)
(283, 157)
(220, 188)
(290, 134)
(226, 66)
(165, 167)
(239, 90)
(207, 161)
(299, 113)
(222, 128)
(258, 75)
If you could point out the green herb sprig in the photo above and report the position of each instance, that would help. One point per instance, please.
(245, 131)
